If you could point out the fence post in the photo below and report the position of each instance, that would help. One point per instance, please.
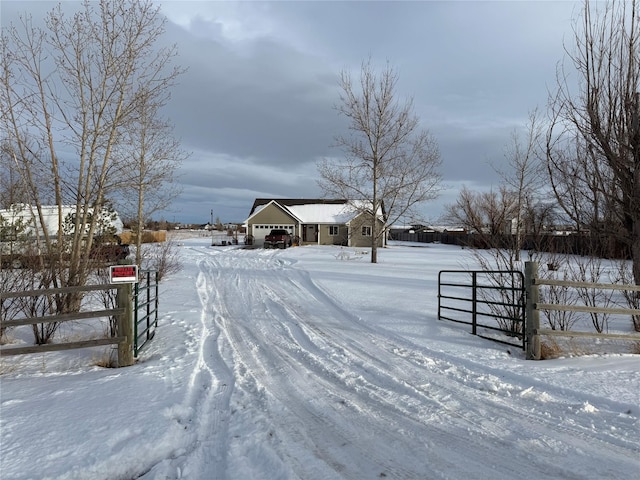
(532, 316)
(124, 298)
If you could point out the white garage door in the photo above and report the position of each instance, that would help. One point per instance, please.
(261, 231)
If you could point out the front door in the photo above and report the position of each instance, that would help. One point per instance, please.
(310, 233)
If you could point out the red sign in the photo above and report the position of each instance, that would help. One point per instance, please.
(124, 273)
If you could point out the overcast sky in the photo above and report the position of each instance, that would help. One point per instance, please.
(256, 107)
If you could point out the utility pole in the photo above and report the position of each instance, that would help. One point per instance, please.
(211, 227)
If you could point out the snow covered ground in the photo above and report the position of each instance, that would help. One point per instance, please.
(312, 363)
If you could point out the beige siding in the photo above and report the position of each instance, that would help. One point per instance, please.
(272, 214)
(357, 238)
(326, 239)
(270, 217)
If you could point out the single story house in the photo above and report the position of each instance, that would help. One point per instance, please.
(314, 221)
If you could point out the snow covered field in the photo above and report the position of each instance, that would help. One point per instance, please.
(311, 363)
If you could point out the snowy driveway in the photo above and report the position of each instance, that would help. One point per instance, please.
(296, 384)
(311, 363)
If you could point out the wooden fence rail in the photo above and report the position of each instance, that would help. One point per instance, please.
(123, 314)
(533, 307)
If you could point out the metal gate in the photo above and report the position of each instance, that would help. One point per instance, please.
(145, 309)
(491, 301)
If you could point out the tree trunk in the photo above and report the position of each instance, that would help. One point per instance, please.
(635, 189)
(374, 248)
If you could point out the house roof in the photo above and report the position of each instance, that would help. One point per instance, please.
(322, 211)
(288, 202)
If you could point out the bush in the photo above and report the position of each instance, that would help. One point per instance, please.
(162, 257)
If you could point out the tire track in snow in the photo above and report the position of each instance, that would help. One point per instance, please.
(533, 421)
(263, 367)
(204, 413)
(356, 420)
(537, 418)
(284, 373)
(383, 385)
(340, 399)
(211, 386)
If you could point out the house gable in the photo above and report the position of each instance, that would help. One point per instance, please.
(272, 213)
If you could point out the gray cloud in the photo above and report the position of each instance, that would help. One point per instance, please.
(269, 103)
(256, 105)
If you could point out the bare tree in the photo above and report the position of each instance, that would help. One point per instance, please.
(79, 85)
(501, 220)
(593, 143)
(503, 217)
(162, 257)
(155, 158)
(524, 177)
(388, 161)
(487, 215)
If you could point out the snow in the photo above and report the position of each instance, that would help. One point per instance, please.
(311, 363)
(321, 213)
(324, 213)
(328, 213)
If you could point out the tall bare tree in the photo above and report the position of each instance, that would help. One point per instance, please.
(154, 159)
(503, 219)
(524, 177)
(593, 143)
(388, 160)
(515, 208)
(78, 85)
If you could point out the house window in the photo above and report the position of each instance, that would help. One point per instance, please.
(366, 231)
(333, 230)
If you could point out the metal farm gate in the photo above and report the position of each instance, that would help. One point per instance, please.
(492, 302)
(145, 310)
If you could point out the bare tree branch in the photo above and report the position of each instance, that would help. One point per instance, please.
(593, 143)
(71, 96)
(388, 161)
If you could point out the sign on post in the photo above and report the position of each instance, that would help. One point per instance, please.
(123, 273)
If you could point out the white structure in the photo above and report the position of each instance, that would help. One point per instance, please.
(52, 217)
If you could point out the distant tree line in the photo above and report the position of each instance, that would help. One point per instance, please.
(570, 243)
